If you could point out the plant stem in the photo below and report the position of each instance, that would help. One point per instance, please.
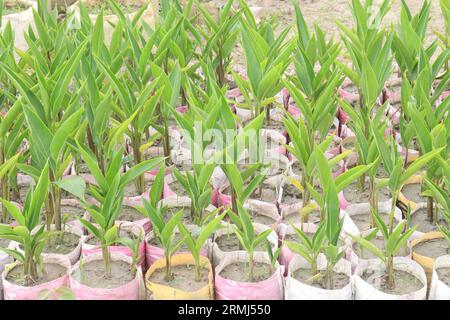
(373, 197)
(168, 268)
(107, 260)
(390, 272)
(139, 181)
(392, 213)
(167, 143)
(430, 209)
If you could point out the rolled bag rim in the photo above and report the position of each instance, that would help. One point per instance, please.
(399, 263)
(224, 286)
(439, 290)
(164, 292)
(427, 263)
(345, 292)
(128, 291)
(31, 292)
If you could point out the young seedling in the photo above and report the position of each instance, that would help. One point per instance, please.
(221, 37)
(134, 245)
(395, 239)
(245, 232)
(369, 50)
(273, 256)
(309, 249)
(393, 165)
(196, 242)
(109, 193)
(165, 233)
(267, 59)
(27, 232)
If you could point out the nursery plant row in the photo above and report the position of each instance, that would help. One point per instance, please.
(139, 159)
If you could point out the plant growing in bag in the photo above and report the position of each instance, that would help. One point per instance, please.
(369, 49)
(393, 165)
(51, 114)
(245, 232)
(220, 37)
(273, 256)
(109, 194)
(29, 235)
(134, 245)
(195, 242)
(308, 248)
(429, 121)
(395, 239)
(165, 233)
(267, 59)
(441, 196)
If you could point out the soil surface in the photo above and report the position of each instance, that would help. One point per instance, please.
(177, 237)
(9, 8)
(96, 7)
(176, 186)
(230, 243)
(238, 271)
(432, 248)
(183, 278)
(130, 190)
(353, 193)
(420, 219)
(63, 245)
(93, 274)
(364, 221)
(72, 212)
(340, 280)
(130, 214)
(412, 192)
(404, 282)
(4, 243)
(313, 217)
(51, 272)
(444, 275)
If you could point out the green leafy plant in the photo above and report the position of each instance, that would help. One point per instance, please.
(267, 59)
(221, 37)
(28, 233)
(393, 165)
(109, 192)
(273, 256)
(195, 242)
(395, 239)
(369, 49)
(134, 244)
(245, 232)
(309, 249)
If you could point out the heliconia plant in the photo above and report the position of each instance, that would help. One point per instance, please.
(28, 232)
(245, 232)
(196, 240)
